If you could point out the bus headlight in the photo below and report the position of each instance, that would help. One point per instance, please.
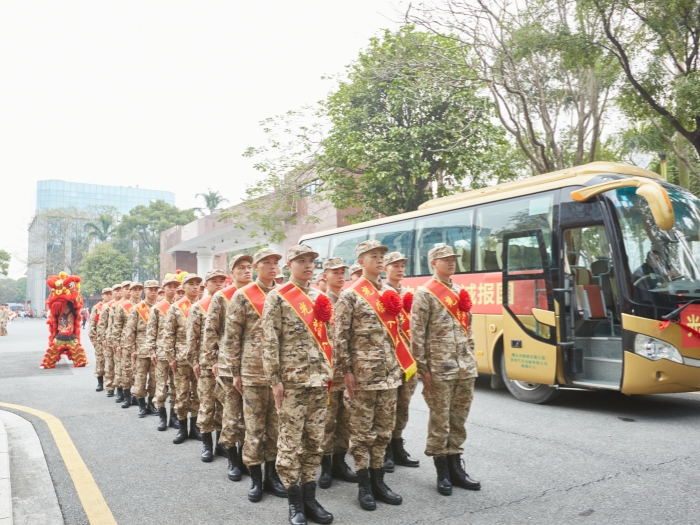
(656, 349)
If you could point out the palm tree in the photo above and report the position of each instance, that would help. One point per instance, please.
(212, 199)
(102, 229)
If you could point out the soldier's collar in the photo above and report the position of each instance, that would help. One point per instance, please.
(304, 285)
(394, 287)
(264, 287)
(448, 282)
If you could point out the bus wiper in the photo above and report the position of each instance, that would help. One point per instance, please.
(676, 314)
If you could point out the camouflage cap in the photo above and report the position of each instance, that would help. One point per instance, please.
(136, 285)
(334, 263)
(151, 283)
(117, 286)
(355, 268)
(299, 250)
(393, 257)
(126, 283)
(264, 253)
(320, 277)
(441, 252)
(191, 277)
(366, 246)
(238, 258)
(106, 290)
(214, 273)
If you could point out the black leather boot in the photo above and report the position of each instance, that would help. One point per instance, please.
(127, 398)
(194, 430)
(234, 468)
(272, 482)
(174, 421)
(110, 393)
(220, 450)
(151, 407)
(207, 447)
(380, 489)
(325, 480)
(341, 470)
(100, 384)
(458, 477)
(120, 395)
(389, 459)
(401, 457)
(181, 436)
(256, 489)
(364, 490)
(444, 486)
(133, 399)
(143, 409)
(163, 423)
(296, 506)
(312, 508)
(244, 469)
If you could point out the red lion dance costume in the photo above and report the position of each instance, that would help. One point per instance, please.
(64, 304)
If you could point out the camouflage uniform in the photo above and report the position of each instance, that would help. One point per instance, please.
(292, 356)
(96, 342)
(108, 352)
(123, 372)
(175, 346)
(155, 335)
(440, 346)
(242, 355)
(135, 340)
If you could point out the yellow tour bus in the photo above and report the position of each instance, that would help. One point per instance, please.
(585, 278)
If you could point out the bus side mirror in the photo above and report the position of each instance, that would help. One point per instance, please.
(652, 192)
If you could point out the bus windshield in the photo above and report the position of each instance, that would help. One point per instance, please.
(664, 265)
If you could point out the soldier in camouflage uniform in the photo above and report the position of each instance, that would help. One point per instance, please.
(209, 416)
(175, 345)
(113, 342)
(395, 268)
(444, 353)
(102, 331)
(118, 327)
(367, 358)
(155, 335)
(134, 345)
(242, 354)
(355, 272)
(233, 428)
(299, 372)
(4, 317)
(336, 437)
(96, 343)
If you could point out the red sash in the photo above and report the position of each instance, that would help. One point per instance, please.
(228, 292)
(163, 306)
(255, 295)
(406, 324)
(204, 304)
(303, 306)
(98, 307)
(127, 305)
(184, 305)
(369, 293)
(144, 311)
(450, 300)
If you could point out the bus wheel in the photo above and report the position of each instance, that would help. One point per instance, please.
(529, 392)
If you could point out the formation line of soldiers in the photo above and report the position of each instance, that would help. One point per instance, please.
(290, 378)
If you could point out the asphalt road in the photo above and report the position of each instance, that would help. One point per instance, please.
(590, 458)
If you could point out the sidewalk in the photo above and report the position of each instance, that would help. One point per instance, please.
(27, 495)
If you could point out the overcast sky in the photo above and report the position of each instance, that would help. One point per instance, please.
(164, 95)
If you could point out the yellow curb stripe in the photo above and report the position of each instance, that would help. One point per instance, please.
(94, 504)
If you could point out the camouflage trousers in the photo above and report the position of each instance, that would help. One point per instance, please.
(372, 419)
(99, 358)
(449, 405)
(302, 417)
(117, 368)
(232, 423)
(403, 400)
(3, 327)
(336, 435)
(109, 368)
(144, 377)
(186, 397)
(127, 370)
(210, 408)
(261, 425)
(164, 377)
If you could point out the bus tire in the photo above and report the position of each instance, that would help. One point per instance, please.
(528, 392)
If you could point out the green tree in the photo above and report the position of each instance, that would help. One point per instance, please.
(139, 234)
(102, 268)
(4, 262)
(102, 229)
(13, 291)
(212, 200)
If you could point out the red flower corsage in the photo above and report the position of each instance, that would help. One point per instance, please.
(465, 302)
(408, 302)
(323, 309)
(392, 302)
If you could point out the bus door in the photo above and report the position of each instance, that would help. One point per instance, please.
(529, 319)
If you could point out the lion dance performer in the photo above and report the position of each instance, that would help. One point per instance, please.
(64, 305)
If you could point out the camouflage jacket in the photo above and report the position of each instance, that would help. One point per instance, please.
(362, 344)
(195, 331)
(155, 333)
(243, 345)
(438, 342)
(290, 352)
(214, 331)
(118, 323)
(338, 381)
(175, 336)
(103, 323)
(92, 323)
(134, 334)
(401, 290)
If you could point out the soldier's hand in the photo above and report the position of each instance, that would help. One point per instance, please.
(118, 350)
(104, 345)
(215, 369)
(238, 384)
(350, 385)
(278, 392)
(154, 359)
(196, 370)
(427, 382)
(173, 366)
(133, 358)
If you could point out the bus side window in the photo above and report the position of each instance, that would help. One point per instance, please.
(343, 245)
(398, 237)
(452, 228)
(320, 246)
